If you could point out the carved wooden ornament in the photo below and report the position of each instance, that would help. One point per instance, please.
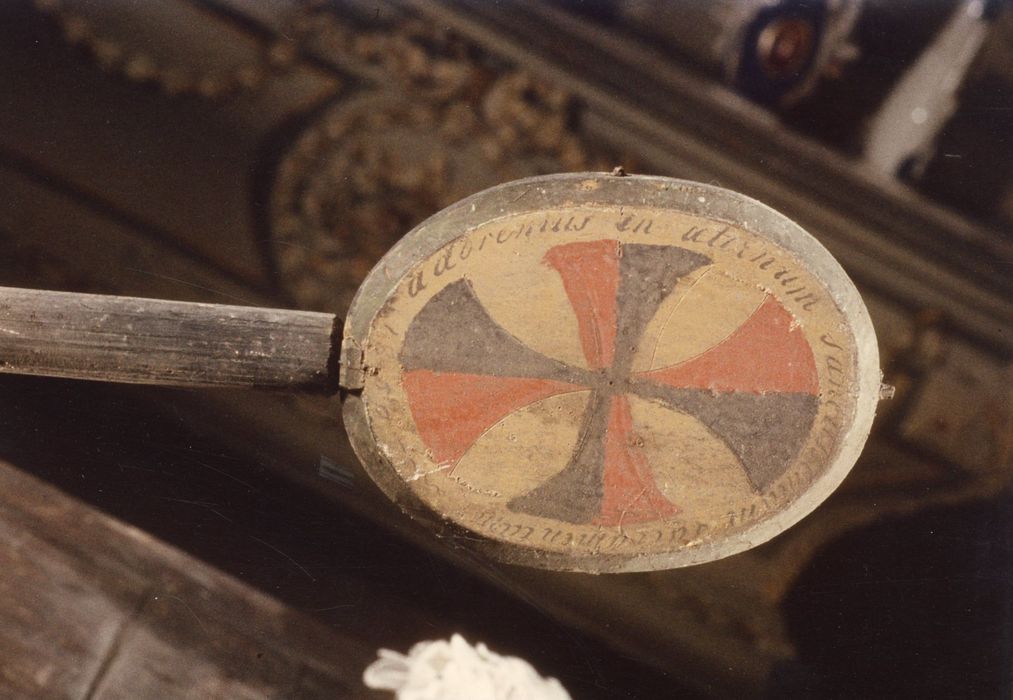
(609, 373)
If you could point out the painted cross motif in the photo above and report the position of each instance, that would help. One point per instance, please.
(755, 391)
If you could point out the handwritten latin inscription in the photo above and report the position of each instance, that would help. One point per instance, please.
(492, 248)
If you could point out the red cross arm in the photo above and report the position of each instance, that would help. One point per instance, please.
(452, 410)
(766, 354)
(590, 274)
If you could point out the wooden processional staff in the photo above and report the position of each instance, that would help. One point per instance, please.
(588, 372)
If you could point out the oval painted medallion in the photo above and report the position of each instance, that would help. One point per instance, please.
(610, 373)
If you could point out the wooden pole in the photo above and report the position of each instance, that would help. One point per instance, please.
(149, 341)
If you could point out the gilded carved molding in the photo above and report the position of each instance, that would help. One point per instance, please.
(436, 125)
(130, 43)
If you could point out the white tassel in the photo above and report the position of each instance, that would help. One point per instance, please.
(455, 670)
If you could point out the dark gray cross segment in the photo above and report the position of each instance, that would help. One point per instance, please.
(453, 333)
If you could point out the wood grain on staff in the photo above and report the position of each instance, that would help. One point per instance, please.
(149, 341)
